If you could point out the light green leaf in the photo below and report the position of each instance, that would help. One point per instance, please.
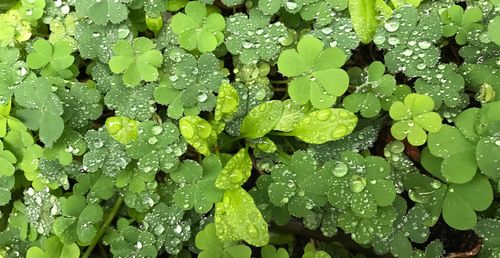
(363, 16)
(236, 171)
(261, 119)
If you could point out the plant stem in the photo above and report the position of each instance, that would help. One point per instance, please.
(281, 81)
(100, 233)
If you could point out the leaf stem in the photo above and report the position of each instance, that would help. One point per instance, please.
(111, 215)
(281, 81)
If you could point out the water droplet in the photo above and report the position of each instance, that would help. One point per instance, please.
(178, 229)
(247, 44)
(236, 176)
(96, 34)
(497, 142)
(202, 97)
(173, 77)
(123, 31)
(391, 26)
(156, 130)
(393, 40)
(159, 230)
(407, 52)
(358, 183)
(340, 169)
(138, 245)
(252, 231)
(324, 114)
(379, 39)
(291, 5)
(339, 132)
(424, 44)
(327, 30)
(284, 200)
(152, 140)
(98, 143)
(421, 66)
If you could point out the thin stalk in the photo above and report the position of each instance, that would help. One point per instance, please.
(100, 233)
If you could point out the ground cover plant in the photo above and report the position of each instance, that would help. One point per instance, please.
(249, 128)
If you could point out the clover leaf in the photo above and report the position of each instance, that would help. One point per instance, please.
(94, 186)
(157, 147)
(339, 33)
(41, 110)
(311, 252)
(298, 184)
(457, 22)
(493, 28)
(269, 211)
(270, 251)
(212, 246)
(413, 118)
(94, 40)
(53, 59)
(138, 187)
(360, 184)
(32, 10)
(409, 37)
(169, 226)
(41, 207)
(137, 61)
(6, 185)
(7, 161)
(81, 103)
(127, 240)
(236, 171)
(315, 72)
(190, 85)
(79, 220)
(471, 144)
(237, 218)
(54, 248)
(250, 37)
(103, 11)
(322, 12)
(104, 153)
(136, 103)
(364, 230)
(71, 143)
(444, 87)
(198, 190)
(198, 29)
(366, 98)
(489, 230)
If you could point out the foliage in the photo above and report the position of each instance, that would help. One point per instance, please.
(257, 128)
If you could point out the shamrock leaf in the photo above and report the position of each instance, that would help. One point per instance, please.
(95, 186)
(299, 184)
(158, 147)
(32, 10)
(315, 72)
(249, 37)
(168, 225)
(270, 251)
(236, 171)
(104, 153)
(79, 220)
(269, 211)
(409, 37)
(7, 161)
(458, 22)
(81, 103)
(136, 103)
(364, 230)
(444, 87)
(493, 28)
(52, 59)
(363, 183)
(237, 204)
(197, 188)
(413, 117)
(198, 29)
(94, 40)
(339, 33)
(137, 61)
(6, 185)
(127, 240)
(212, 246)
(366, 98)
(322, 12)
(100, 12)
(54, 248)
(489, 230)
(41, 110)
(41, 207)
(191, 84)
(311, 252)
(71, 143)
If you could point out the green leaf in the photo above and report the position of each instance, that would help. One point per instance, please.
(102, 12)
(237, 204)
(53, 248)
(363, 16)
(198, 29)
(493, 30)
(53, 60)
(211, 245)
(325, 125)
(137, 61)
(462, 200)
(261, 119)
(236, 171)
(198, 133)
(122, 129)
(227, 102)
(270, 251)
(199, 191)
